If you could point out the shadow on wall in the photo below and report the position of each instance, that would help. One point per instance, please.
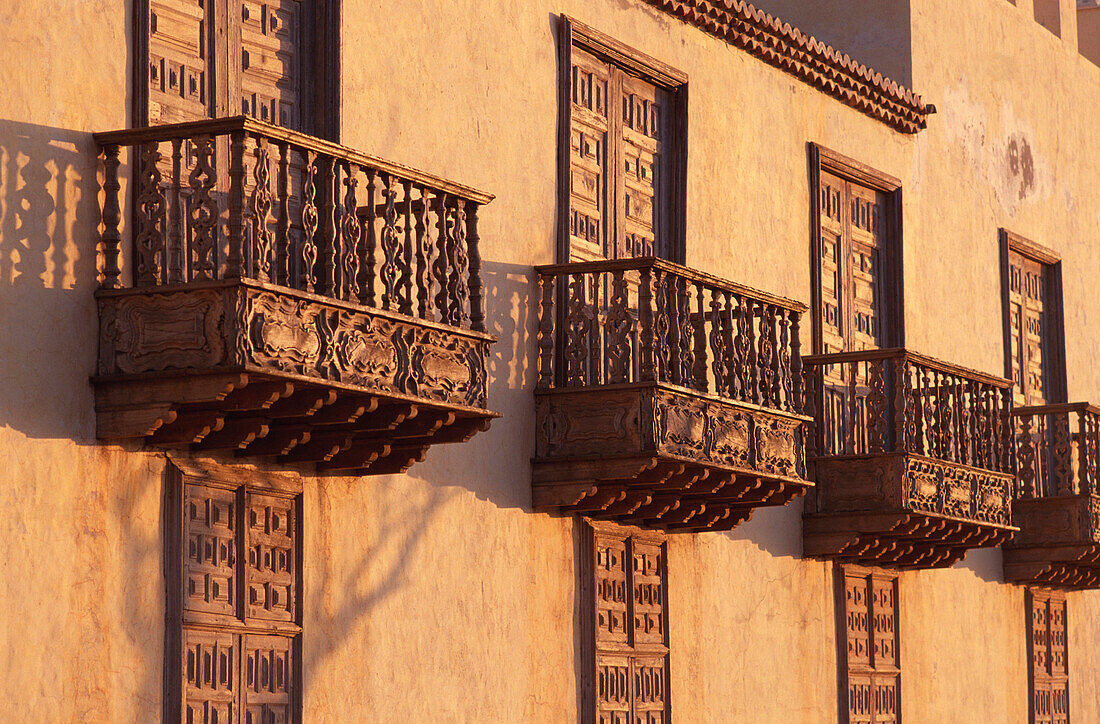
(502, 473)
(774, 530)
(341, 594)
(48, 234)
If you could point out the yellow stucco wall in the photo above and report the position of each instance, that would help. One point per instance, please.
(438, 595)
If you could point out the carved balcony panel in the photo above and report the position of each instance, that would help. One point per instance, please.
(667, 398)
(288, 299)
(913, 459)
(1057, 503)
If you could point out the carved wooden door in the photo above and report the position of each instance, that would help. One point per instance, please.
(217, 58)
(618, 159)
(1029, 327)
(852, 299)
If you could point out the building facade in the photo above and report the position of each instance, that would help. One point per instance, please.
(597, 360)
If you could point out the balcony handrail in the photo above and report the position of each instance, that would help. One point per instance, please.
(887, 401)
(908, 355)
(649, 320)
(1057, 455)
(237, 198)
(247, 124)
(653, 262)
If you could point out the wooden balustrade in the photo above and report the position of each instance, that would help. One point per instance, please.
(1057, 502)
(287, 298)
(237, 198)
(894, 400)
(649, 320)
(666, 398)
(1057, 449)
(913, 458)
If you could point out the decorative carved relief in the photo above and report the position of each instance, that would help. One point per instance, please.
(158, 332)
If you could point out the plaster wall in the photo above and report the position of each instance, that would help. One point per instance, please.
(437, 595)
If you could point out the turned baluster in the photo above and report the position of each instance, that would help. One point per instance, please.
(853, 408)
(423, 258)
(717, 348)
(699, 354)
(149, 242)
(902, 395)
(282, 238)
(307, 253)
(547, 312)
(112, 215)
(439, 269)
(175, 223)
(648, 364)
(1084, 477)
(203, 211)
(661, 328)
(687, 355)
(234, 225)
(405, 285)
(774, 383)
(795, 402)
(331, 236)
(259, 214)
(349, 266)
(367, 245)
(751, 361)
(473, 241)
(391, 245)
(457, 289)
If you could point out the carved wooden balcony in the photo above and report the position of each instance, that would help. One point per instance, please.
(666, 398)
(913, 459)
(288, 299)
(1057, 505)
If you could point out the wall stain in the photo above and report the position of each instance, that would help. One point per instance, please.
(1021, 165)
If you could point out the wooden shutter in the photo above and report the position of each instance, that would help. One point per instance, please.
(1048, 665)
(620, 154)
(233, 602)
(1029, 328)
(852, 312)
(270, 48)
(208, 58)
(640, 194)
(588, 157)
(179, 58)
(625, 571)
(869, 607)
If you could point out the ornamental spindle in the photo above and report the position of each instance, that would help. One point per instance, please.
(473, 241)
(112, 215)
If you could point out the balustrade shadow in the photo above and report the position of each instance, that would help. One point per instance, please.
(503, 460)
(48, 331)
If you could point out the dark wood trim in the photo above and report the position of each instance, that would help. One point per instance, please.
(1054, 303)
(841, 637)
(573, 33)
(893, 284)
(173, 578)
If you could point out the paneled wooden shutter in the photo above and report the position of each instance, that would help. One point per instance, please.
(870, 610)
(853, 302)
(625, 572)
(618, 163)
(1048, 663)
(1029, 327)
(216, 58)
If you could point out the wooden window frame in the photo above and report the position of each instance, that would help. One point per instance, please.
(242, 482)
(591, 646)
(844, 669)
(824, 159)
(320, 83)
(574, 34)
(1012, 242)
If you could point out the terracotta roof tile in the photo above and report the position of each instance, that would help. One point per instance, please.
(789, 49)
